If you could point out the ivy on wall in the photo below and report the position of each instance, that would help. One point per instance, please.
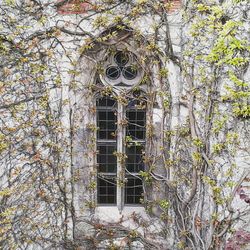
(198, 164)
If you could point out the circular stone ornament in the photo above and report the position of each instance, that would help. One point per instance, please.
(129, 72)
(113, 72)
(121, 58)
(121, 70)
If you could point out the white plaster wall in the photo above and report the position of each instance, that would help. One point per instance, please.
(79, 103)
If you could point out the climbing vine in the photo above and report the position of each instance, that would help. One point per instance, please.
(196, 149)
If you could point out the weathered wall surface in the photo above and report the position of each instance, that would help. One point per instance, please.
(196, 176)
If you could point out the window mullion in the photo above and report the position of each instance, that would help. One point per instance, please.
(121, 132)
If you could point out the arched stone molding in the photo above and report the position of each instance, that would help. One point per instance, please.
(88, 84)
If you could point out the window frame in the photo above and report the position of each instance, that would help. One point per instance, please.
(121, 146)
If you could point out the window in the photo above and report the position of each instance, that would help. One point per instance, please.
(120, 146)
(135, 135)
(121, 133)
(106, 148)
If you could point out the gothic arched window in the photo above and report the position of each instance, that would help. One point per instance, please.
(120, 135)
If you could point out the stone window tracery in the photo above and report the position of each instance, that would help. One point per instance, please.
(122, 70)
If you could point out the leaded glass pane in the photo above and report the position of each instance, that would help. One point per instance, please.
(134, 161)
(105, 101)
(106, 118)
(133, 190)
(106, 146)
(106, 191)
(121, 58)
(136, 124)
(106, 158)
